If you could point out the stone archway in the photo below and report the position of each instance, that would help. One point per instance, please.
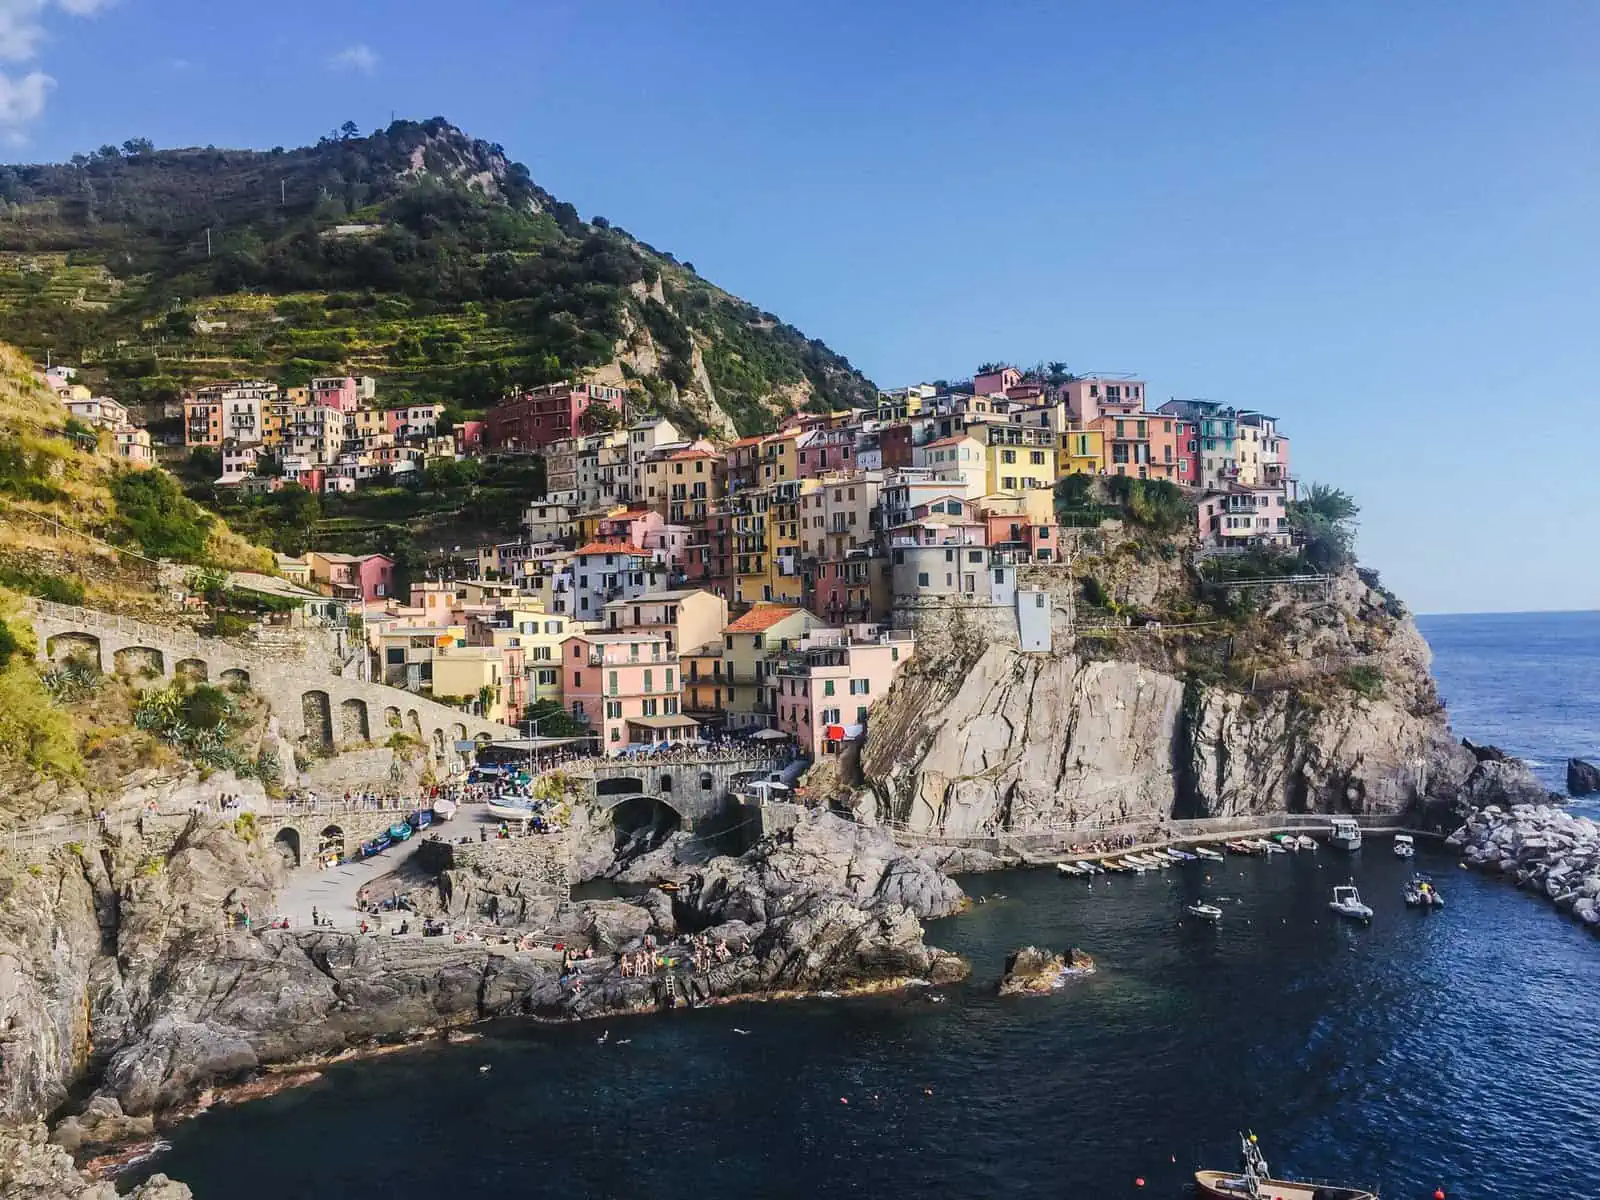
(140, 660)
(414, 724)
(287, 843)
(331, 841)
(192, 669)
(391, 719)
(438, 743)
(353, 725)
(318, 716)
(236, 679)
(74, 645)
(642, 823)
(483, 739)
(458, 733)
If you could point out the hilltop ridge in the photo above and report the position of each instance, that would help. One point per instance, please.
(417, 254)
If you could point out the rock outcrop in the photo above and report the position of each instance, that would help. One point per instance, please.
(1583, 778)
(1026, 742)
(1540, 848)
(32, 1168)
(181, 1000)
(1031, 971)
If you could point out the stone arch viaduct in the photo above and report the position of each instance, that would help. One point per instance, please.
(695, 789)
(312, 706)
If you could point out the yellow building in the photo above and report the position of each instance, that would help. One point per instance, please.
(464, 672)
(779, 457)
(1081, 452)
(1017, 458)
(541, 634)
(588, 523)
(750, 649)
(704, 689)
(785, 584)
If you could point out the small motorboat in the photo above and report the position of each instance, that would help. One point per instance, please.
(1177, 855)
(421, 819)
(1090, 868)
(1404, 846)
(1254, 1181)
(1347, 903)
(1305, 842)
(1345, 834)
(1269, 847)
(400, 831)
(1067, 868)
(1239, 847)
(1206, 912)
(1287, 841)
(443, 810)
(1421, 892)
(375, 845)
(1207, 852)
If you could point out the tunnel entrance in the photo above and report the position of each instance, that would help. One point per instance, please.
(642, 823)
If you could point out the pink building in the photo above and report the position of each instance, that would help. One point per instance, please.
(855, 587)
(469, 437)
(1031, 543)
(1088, 399)
(352, 576)
(415, 420)
(625, 687)
(825, 451)
(340, 394)
(826, 688)
(995, 382)
(633, 527)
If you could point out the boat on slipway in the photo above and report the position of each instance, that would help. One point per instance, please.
(1254, 1181)
(1206, 852)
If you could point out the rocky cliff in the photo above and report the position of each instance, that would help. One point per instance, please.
(978, 736)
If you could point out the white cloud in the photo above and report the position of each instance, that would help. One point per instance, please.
(22, 100)
(22, 32)
(360, 58)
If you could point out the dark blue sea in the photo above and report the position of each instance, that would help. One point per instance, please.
(1452, 1050)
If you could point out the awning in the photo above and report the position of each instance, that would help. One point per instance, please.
(768, 735)
(678, 722)
(834, 733)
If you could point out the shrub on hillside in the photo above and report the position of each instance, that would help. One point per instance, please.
(153, 513)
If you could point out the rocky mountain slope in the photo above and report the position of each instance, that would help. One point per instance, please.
(417, 254)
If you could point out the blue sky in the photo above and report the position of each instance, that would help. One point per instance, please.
(1376, 220)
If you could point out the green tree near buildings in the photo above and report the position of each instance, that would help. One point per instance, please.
(1323, 521)
(599, 418)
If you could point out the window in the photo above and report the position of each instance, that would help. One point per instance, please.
(614, 709)
(670, 706)
(922, 579)
(647, 708)
(577, 679)
(613, 687)
(395, 657)
(616, 734)
(577, 651)
(827, 687)
(975, 556)
(860, 687)
(545, 678)
(1036, 457)
(861, 713)
(1008, 456)
(894, 653)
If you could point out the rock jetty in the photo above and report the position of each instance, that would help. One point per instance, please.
(1539, 847)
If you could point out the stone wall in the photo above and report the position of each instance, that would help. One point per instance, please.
(542, 862)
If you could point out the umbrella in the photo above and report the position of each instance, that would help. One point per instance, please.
(769, 734)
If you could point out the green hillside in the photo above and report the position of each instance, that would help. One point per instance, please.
(416, 254)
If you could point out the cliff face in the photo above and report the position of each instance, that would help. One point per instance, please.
(1030, 742)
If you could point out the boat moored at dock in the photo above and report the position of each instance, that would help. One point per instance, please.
(1345, 834)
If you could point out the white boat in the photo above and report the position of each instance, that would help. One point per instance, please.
(1306, 843)
(508, 809)
(1208, 852)
(443, 810)
(1345, 834)
(1404, 847)
(1347, 903)
(1207, 912)
(1268, 846)
(1067, 868)
(1422, 892)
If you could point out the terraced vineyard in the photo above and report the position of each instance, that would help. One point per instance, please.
(416, 254)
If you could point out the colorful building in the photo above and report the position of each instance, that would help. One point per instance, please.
(750, 649)
(625, 687)
(826, 686)
(535, 418)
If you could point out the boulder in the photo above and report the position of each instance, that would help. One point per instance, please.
(1485, 753)
(1031, 970)
(1583, 778)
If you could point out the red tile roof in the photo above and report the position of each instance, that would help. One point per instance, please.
(761, 617)
(949, 441)
(608, 548)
